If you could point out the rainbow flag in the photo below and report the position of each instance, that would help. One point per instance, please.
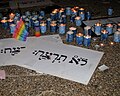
(20, 32)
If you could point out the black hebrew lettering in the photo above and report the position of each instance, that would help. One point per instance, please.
(77, 60)
(7, 49)
(45, 56)
(63, 57)
(1, 50)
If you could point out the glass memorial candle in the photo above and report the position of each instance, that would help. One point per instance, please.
(81, 10)
(43, 27)
(82, 15)
(64, 18)
(87, 30)
(110, 11)
(88, 15)
(37, 31)
(78, 21)
(69, 36)
(42, 13)
(79, 38)
(68, 11)
(74, 12)
(11, 16)
(62, 28)
(104, 34)
(72, 18)
(4, 24)
(53, 27)
(36, 23)
(117, 36)
(48, 21)
(87, 40)
(12, 28)
(109, 28)
(74, 30)
(97, 28)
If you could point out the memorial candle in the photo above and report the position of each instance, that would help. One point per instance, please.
(48, 21)
(87, 40)
(79, 38)
(69, 36)
(87, 30)
(43, 27)
(37, 31)
(53, 27)
(36, 23)
(78, 21)
(97, 28)
(64, 18)
(68, 11)
(12, 28)
(117, 36)
(109, 28)
(110, 11)
(4, 24)
(62, 28)
(74, 30)
(104, 34)
(82, 15)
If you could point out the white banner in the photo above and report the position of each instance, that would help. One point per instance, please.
(65, 61)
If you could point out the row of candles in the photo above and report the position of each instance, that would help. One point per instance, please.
(57, 21)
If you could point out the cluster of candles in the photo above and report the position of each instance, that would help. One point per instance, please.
(57, 23)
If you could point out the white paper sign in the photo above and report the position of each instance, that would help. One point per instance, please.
(10, 47)
(65, 61)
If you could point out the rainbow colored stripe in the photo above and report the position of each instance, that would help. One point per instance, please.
(20, 32)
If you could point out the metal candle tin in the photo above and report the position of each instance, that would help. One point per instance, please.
(69, 36)
(62, 28)
(78, 21)
(104, 34)
(79, 38)
(109, 28)
(87, 40)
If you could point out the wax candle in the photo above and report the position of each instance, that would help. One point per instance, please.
(11, 16)
(43, 27)
(82, 15)
(110, 11)
(78, 21)
(72, 18)
(62, 28)
(97, 28)
(69, 36)
(12, 28)
(74, 12)
(36, 23)
(104, 34)
(37, 31)
(88, 15)
(68, 11)
(42, 13)
(53, 27)
(4, 24)
(74, 30)
(87, 30)
(79, 38)
(48, 21)
(117, 36)
(81, 10)
(87, 40)
(64, 18)
(52, 16)
(109, 28)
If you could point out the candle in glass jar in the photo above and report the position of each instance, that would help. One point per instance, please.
(48, 21)
(64, 18)
(97, 28)
(72, 18)
(87, 40)
(117, 36)
(109, 28)
(87, 30)
(104, 34)
(53, 27)
(36, 23)
(79, 38)
(69, 36)
(12, 28)
(68, 11)
(82, 15)
(4, 24)
(43, 27)
(110, 11)
(74, 30)
(62, 28)
(78, 21)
